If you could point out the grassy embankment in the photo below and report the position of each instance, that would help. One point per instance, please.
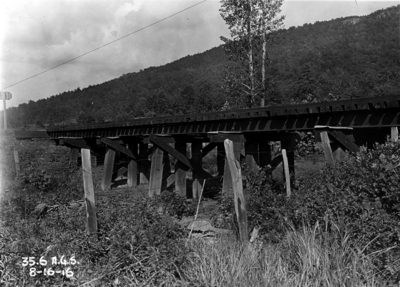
(138, 246)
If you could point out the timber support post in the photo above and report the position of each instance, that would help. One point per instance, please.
(197, 159)
(237, 185)
(91, 216)
(180, 171)
(133, 166)
(334, 141)
(227, 182)
(220, 159)
(286, 173)
(143, 169)
(156, 171)
(252, 155)
(264, 153)
(394, 134)
(288, 147)
(327, 147)
(108, 169)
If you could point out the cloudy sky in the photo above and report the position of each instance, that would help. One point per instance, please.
(36, 35)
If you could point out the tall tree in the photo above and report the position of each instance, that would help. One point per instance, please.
(250, 23)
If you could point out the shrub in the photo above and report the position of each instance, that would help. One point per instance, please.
(361, 194)
(38, 178)
(307, 146)
(266, 205)
(174, 205)
(145, 244)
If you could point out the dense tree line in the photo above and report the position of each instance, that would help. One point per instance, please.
(344, 58)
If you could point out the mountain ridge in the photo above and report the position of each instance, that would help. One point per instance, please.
(343, 58)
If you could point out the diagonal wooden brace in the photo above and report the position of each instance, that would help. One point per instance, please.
(346, 141)
(122, 149)
(183, 159)
(170, 150)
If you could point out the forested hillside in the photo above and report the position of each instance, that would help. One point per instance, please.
(351, 57)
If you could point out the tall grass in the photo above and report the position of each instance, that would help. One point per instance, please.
(308, 257)
(137, 246)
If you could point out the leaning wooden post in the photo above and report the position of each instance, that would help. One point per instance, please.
(108, 169)
(237, 184)
(227, 183)
(89, 192)
(16, 161)
(156, 171)
(327, 147)
(395, 134)
(286, 171)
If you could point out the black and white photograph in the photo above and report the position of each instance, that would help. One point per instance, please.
(199, 143)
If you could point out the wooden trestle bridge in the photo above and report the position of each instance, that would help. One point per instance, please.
(341, 125)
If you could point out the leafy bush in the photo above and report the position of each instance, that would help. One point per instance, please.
(307, 146)
(361, 194)
(38, 178)
(145, 243)
(174, 205)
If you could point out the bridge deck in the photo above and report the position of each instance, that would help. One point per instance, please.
(361, 113)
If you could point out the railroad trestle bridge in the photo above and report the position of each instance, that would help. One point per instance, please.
(339, 125)
(346, 124)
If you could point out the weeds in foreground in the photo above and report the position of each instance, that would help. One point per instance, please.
(307, 257)
(138, 246)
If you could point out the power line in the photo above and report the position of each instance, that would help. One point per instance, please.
(102, 46)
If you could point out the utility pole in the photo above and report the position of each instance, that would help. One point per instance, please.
(5, 96)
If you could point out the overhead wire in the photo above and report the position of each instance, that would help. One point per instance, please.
(104, 45)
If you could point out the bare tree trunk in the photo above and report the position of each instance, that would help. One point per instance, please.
(264, 54)
(251, 63)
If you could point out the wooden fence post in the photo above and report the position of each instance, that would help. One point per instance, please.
(395, 134)
(237, 184)
(16, 160)
(89, 192)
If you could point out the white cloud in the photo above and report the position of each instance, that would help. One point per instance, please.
(128, 7)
